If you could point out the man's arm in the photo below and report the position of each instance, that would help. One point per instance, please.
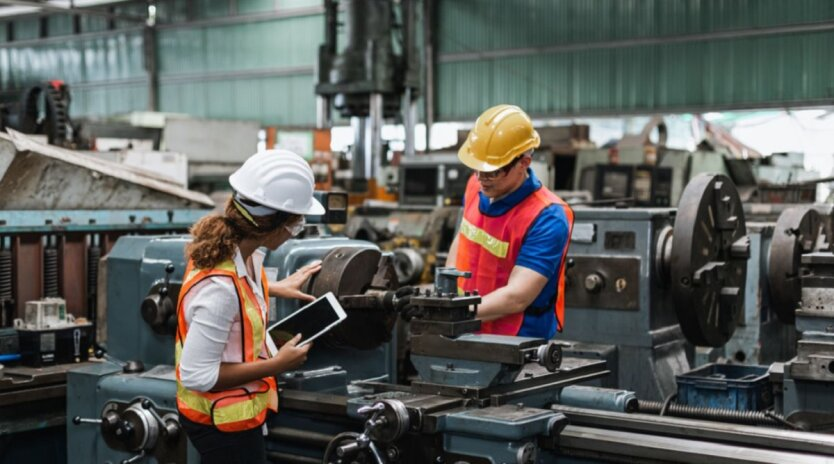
(521, 290)
(536, 263)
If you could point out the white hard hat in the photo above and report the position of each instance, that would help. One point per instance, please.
(279, 179)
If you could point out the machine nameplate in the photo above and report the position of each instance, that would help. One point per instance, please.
(620, 240)
(584, 232)
(603, 282)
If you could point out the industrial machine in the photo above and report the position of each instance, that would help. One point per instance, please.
(43, 109)
(472, 398)
(627, 275)
(641, 283)
(623, 173)
(374, 75)
(62, 212)
(765, 333)
(418, 239)
(804, 383)
(432, 180)
(639, 185)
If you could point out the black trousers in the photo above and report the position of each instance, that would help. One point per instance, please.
(216, 447)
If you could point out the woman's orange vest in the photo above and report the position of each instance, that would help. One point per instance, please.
(240, 408)
(489, 245)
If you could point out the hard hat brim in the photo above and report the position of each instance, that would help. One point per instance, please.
(469, 160)
(316, 208)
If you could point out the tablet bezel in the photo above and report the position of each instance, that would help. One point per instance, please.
(334, 304)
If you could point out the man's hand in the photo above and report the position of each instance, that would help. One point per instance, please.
(402, 303)
(291, 286)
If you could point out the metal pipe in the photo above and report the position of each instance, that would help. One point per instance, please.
(323, 115)
(331, 23)
(359, 160)
(409, 121)
(150, 59)
(374, 157)
(722, 415)
(428, 59)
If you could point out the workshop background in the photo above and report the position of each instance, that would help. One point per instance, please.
(693, 139)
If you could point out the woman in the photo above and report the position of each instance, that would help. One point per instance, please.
(225, 376)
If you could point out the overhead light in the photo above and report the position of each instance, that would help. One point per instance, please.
(713, 116)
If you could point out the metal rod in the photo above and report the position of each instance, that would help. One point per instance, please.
(603, 202)
(428, 60)
(706, 430)
(305, 437)
(609, 445)
(821, 180)
(276, 456)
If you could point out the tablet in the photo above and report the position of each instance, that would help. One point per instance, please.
(310, 321)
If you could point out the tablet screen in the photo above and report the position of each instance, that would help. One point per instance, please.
(310, 321)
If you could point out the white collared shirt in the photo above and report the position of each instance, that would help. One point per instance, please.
(213, 317)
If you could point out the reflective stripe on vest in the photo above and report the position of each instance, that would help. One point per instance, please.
(488, 246)
(240, 408)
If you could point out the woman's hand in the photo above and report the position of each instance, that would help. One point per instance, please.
(291, 286)
(290, 356)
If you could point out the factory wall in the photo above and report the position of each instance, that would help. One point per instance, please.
(255, 59)
(241, 59)
(568, 57)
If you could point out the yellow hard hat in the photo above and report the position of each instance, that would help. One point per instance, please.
(500, 135)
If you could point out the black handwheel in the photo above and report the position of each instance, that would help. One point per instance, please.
(708, 262)
(796, 233)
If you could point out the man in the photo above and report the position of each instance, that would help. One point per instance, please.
(515, 232)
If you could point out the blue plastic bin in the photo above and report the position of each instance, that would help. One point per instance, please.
(726, 386)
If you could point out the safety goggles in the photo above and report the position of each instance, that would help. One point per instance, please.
(500, 172)
(296, 228)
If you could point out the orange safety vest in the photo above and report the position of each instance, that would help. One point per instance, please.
(240, 408)
(489, 245)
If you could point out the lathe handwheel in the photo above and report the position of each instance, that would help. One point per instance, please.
(796, 232)
(395, 424)
(708, 260)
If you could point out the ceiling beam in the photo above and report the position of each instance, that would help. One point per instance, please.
(53, 8)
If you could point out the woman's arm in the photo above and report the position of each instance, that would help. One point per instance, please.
(291, 286)
(288, 357)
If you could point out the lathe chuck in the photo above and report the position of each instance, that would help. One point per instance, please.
(353, 271)
(797, 231)
(707, 261)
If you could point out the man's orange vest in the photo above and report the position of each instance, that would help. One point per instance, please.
(240, 408)
(489, 245)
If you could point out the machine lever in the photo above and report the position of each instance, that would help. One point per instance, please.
(136, 458)
(146, 404)
(365, 410)
(169, 269)
(78, 420)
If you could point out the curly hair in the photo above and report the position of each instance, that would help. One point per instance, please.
(216, 235)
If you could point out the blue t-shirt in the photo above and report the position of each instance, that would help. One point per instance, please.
(540, 251)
